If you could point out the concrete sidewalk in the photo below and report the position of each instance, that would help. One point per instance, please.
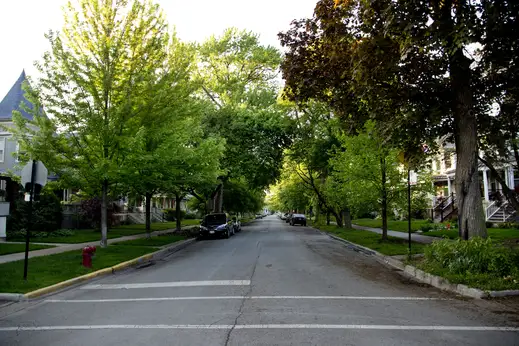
(424, 239)
(60, 247)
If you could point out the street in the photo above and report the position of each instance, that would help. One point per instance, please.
(271, 284)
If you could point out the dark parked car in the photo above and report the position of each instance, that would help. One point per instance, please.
(216, 225)
(298, 219)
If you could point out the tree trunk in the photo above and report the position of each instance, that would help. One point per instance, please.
(328, 218)
(338, 218)
(104, 214)
(346, 218)
(178, 199)
(384, 198)
(148, 214)
(468, 195)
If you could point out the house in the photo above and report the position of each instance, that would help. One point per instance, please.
(8, 146)
(444, 176)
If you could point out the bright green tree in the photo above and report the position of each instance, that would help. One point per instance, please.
(370, 170)
(93, 79)
(238, 77)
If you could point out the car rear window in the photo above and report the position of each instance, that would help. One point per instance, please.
(299, 215)
(216, 219)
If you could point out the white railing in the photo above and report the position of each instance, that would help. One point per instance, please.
(491, 210)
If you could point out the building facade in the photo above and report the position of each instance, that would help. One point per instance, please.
(443, 202)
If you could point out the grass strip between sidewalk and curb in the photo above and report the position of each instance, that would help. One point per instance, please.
(89, 235)
(156, 241)
(498, 235)
(7, 248)
(393, 225)
(393, 246)
(47, 274)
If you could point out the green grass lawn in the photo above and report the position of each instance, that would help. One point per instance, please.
(399, 226)
(89, 235)
(483, 281)
(159, 240)
(6, 249)
(497, 234)
(48, 270)
(393, 246)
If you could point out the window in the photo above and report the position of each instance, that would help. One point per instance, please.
(447, 160)
(19, 152)
(2, 149)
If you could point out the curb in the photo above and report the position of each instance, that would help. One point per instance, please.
(423, 277)
(111, 270)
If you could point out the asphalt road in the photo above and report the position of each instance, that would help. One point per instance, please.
(271, 284)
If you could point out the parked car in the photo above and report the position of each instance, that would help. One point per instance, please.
(216, 225)
(288, 216)
(236, 224)
(298, 219)
(283, 217)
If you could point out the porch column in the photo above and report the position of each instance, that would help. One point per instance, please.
(449, 185)
(512, 178)
(485, 185)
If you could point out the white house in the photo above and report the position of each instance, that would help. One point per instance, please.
(444, 176)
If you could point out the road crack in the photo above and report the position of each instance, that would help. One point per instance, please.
(244, 299)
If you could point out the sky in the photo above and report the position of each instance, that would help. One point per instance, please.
(23, 24)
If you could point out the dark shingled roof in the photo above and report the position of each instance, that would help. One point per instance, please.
(12, 100)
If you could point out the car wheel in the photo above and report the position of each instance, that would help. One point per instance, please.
(226, 235)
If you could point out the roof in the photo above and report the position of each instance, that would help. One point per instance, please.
(13, 99)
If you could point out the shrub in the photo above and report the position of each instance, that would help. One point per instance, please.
(169, 214)
(46, 215)
(475, 256)
(90, 211)
(190, 216)
(508, 225)
(489, 224)
(57, 233)
(426, 227)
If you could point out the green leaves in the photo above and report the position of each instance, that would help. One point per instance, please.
(238, 78)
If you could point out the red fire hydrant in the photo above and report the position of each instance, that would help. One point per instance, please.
(88, 253)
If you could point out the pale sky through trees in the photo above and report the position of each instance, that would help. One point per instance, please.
(24, 22)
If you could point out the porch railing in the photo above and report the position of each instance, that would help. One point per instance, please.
(491, 210)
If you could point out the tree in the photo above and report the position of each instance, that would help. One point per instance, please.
(370, 171)
(164, 125)
(238, 77)
(408, 65)
(91, 84)
(239, 198)
(315, 140)
(289, 194)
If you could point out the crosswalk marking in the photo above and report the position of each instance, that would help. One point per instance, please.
(167, 284)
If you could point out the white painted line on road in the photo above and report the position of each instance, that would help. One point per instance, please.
(265, 326)
(151, 299)
(167, 284)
